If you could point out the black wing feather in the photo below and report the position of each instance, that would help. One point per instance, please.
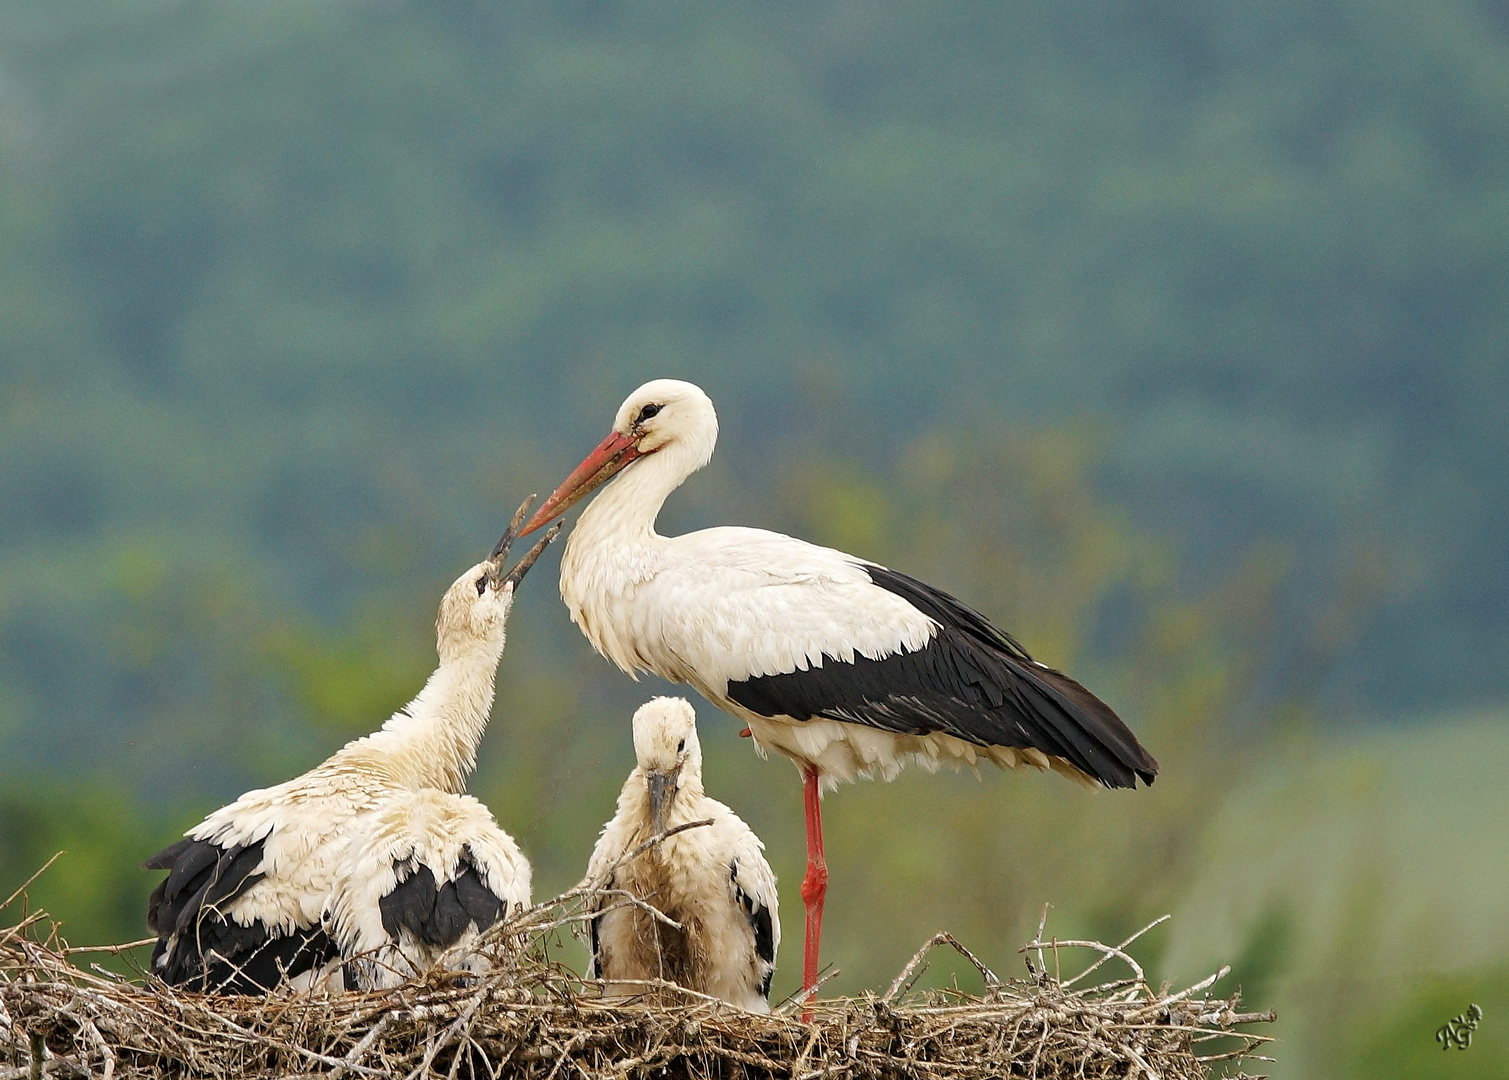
(760, 922)
(167, 858)
(197, 946)
(595, 925)
(972, 681)
(477, 900)
(195, 868)
(410, 906)
(259, 961)
(450, 918)
(439, 916)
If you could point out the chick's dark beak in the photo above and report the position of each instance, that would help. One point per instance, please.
(662, 787)
(500, 550)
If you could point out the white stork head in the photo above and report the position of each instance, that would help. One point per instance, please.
(671, 419)
(475, 608)
(473, 613)
(669, 755)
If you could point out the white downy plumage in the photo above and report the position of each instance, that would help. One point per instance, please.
(712, 879)
(421, 877)
(241, 907)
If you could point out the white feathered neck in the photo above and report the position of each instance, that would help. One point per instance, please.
(614, 546)
(432, 742)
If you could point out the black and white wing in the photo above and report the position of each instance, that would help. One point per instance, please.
(755, 893)
(438, 913)
(819, 634)
(425, 872)
(200, 946)
(617, 836)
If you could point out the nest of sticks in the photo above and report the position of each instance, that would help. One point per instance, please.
(62, 1015)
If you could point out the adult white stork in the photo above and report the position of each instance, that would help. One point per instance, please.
(846, 667)
(423, 875)
(712, 879)
(241, 907)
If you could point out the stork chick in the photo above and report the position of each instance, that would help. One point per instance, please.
(713, 880)
(422, 876)
(241, 907)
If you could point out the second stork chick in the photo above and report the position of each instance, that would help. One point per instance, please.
(713, 880)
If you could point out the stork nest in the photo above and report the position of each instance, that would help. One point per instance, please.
(62, 1016)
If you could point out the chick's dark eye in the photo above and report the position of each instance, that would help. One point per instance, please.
(681, 746)
(481, 584)
(647, 412)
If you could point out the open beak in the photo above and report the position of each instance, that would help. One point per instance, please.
(611, 455)
(662, 791)
(500, 550)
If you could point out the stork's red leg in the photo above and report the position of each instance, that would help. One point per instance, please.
(814, 887)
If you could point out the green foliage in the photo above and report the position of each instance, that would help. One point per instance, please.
(296, 272)
(1343, 881)
(347, 679)
(1269, 952)
(1401, 1045)
(95, 886)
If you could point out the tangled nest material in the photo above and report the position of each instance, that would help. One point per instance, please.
(530, 1017)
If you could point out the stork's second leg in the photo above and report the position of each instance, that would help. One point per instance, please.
(814, 886)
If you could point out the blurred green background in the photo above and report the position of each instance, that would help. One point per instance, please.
(1172, 336)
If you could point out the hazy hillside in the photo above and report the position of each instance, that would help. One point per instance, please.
(1359, 889)
(281, 278)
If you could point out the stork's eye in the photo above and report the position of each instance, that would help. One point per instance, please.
(481, 584)
(647, 412)
(681, 746)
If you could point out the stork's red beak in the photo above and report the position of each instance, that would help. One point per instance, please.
(611, 455)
